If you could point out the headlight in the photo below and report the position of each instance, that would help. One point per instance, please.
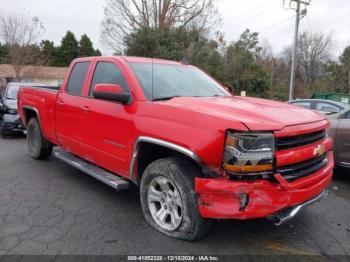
(12, 111)
(248, 152)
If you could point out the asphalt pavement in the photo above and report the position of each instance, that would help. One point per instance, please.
(48, 207)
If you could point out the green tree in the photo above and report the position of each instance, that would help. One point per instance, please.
(234, 65)
(243, 73)
(177, 44)
(97, 52)
(68, 50)
(49, 52)
(86, 47)
(249, 42)
(345, 64)
(159, 43)
(3, 53)
(338, 73)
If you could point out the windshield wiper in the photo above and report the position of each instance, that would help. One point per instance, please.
(164, 98)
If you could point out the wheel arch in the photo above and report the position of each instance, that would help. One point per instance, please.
(28, 113)
(148, 149)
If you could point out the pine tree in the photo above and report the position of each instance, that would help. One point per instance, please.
(49, 52)
(98, 52)
(86, 47)
(68, 50)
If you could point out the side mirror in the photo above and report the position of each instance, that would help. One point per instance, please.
(111, 92)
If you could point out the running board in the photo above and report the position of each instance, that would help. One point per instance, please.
(104, 176)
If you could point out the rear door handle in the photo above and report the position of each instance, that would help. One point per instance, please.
(60, 102)
(86, 108)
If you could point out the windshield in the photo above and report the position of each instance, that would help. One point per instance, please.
(11, 92)
(175, 80)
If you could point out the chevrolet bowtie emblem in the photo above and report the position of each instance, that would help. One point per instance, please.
(319, 150)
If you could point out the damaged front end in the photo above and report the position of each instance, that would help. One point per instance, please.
(262, 182)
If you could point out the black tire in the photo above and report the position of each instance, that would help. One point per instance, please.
(181, 173)
(39, 148)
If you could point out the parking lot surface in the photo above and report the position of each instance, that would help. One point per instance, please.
(48, 207)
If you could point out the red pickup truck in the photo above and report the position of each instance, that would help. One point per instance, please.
(196, 151)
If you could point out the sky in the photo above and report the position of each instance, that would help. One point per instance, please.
(268, 17)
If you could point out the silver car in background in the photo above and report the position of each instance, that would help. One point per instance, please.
(339, 117)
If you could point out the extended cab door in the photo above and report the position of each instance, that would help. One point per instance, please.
(106, 125)
(69, 109)
(343, 140)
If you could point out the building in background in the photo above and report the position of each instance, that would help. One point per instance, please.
(51, 76)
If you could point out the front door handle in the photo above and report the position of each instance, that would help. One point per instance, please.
(86, 108)
(60, 102)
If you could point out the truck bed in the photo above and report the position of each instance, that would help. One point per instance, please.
(43, 100)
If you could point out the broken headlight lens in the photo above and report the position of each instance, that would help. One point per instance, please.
(248, 153)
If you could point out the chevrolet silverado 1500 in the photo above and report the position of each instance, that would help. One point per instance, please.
(196, 151)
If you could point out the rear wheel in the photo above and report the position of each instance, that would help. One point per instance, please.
(39, 147)
(169, 202)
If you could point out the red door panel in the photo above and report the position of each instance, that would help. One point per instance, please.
(68, 122)
(105, 134)
(69, 108)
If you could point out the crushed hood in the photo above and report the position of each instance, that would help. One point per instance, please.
(255, 114)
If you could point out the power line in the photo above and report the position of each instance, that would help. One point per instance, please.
(250, 15)
(276, 24)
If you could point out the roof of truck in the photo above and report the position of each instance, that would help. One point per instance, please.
(135, 59)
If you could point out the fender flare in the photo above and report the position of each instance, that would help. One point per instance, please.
(163, 143)
(24, 121)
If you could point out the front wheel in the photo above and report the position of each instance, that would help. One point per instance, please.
(168, 200)
(39, 147)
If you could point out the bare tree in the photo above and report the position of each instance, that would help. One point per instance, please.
(267, 60)
(313, 51)
(125, 16)
(20, 36)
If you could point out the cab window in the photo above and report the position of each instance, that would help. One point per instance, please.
(108, 73)
(77, 78)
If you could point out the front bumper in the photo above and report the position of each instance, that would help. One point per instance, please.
(221, 198)
(11, 124)
(290, 212)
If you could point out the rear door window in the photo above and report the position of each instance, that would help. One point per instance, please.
(77, 78)
(108, 73)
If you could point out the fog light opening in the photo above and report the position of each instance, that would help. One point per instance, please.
(243, 201)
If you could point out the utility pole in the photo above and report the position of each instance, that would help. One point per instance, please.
(159, 11)
(295, 4)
